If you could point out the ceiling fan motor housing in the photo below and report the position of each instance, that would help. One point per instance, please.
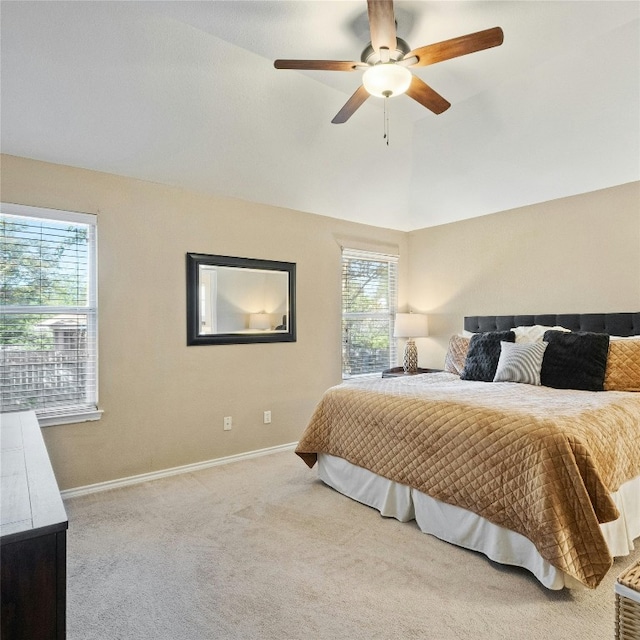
(370, 56)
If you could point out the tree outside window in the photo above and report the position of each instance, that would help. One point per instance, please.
(48, 313)
(369, 284)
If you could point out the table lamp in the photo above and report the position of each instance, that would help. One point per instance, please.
(410, 326)
(259, 321)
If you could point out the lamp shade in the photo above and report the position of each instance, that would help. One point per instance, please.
(259, 321)
(386, 79)
(411, 325)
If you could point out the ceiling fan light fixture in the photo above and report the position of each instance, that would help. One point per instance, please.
(386, 80)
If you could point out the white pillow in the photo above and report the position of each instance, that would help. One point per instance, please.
(520, 362)
(534, 333)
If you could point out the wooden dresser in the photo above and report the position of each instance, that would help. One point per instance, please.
(33, 535)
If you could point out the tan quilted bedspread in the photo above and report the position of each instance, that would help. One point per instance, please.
(535, 460)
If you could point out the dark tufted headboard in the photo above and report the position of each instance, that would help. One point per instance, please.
(615, 324)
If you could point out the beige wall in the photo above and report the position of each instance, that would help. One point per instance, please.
(164, 402)
(574, 255)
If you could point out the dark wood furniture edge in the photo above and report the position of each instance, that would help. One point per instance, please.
(33, 548)
(399, 371)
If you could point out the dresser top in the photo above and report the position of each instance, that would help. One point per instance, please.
(29, 497)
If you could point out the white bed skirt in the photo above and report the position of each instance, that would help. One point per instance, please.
(463, 528)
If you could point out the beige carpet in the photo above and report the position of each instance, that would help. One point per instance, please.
(261, 549)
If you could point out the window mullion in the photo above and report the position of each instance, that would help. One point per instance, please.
(43, 308)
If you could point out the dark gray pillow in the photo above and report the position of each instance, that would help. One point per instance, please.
(575, 360)
(483, 355)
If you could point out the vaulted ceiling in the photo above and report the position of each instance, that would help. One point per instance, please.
(185, 93)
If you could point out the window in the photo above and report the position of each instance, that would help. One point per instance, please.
(48, 317)
(369, 285)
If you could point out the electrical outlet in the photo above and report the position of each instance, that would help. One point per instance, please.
(227, 423)
(267, 417)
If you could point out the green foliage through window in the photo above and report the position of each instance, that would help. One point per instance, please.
(369, 283)
(48, 311)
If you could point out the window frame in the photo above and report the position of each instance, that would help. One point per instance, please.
(87, 411)
(373, 256)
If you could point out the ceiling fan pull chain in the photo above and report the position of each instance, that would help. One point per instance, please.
(386, 120)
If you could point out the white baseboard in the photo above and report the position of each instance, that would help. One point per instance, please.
(173, 471)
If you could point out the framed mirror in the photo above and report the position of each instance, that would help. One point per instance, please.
(239, 300)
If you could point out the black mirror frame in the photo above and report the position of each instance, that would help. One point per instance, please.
(194, 260)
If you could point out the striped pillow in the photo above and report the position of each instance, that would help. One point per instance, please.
(520, 362)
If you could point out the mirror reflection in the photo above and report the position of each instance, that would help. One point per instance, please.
(236, 300)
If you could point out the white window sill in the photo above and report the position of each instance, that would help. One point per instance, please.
(69, 418)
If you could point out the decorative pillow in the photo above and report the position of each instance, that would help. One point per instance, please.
(575, 360)
(520, 362)
(534, 333)
(623, 366)
(483, 355)
(456, 354)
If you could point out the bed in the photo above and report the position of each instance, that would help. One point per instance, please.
(532, 475)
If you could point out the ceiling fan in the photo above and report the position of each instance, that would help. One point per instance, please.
(387, 59)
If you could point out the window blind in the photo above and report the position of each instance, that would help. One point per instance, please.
(369, 300)
(48, 314)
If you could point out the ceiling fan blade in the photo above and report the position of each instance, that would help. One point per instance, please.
(457, 47)
(351, 105)
(318, 65)
(421, 92)
(382, 24)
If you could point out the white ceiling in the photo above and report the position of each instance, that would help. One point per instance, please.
(185, 93)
